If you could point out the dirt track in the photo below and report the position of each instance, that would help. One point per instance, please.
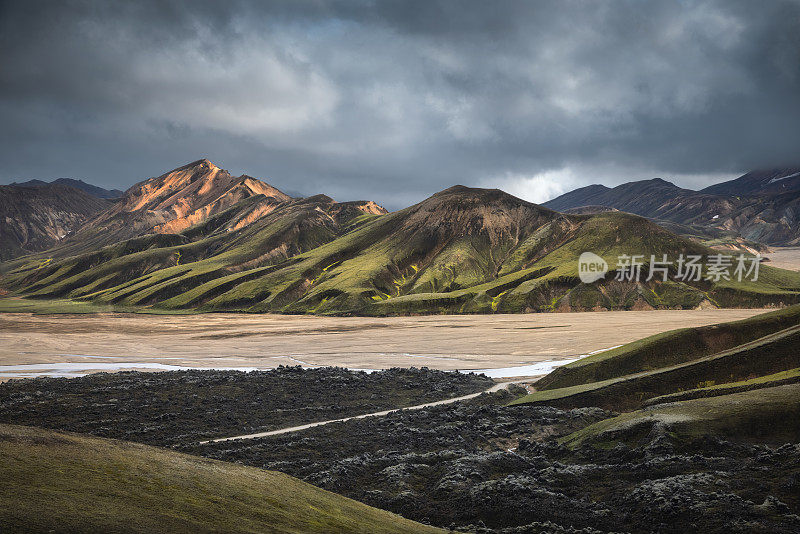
(265, 341)
(496, 387)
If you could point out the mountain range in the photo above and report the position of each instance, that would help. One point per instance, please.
(93, 190)
(759, 207)
(198, 238)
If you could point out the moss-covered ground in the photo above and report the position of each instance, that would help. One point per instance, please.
(60, 482)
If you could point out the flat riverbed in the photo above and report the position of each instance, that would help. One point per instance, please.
(528, 344)
(784, 258)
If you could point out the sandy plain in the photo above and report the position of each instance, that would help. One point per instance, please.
(784, 257)
(68, 345)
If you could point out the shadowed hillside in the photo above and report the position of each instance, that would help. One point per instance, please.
(762, 181)
(37, 218)
(93, 190)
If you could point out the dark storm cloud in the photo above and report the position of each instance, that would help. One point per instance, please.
(395, 100)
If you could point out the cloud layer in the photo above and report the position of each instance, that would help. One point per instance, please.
(396, 100)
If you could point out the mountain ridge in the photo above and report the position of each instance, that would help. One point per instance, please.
(462, 250)
(197, 238)
(93, 190)
(176, 200)
(770, 216)
(760, 181)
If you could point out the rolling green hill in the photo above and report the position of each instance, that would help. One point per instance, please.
(738, 380)
(462, 250)
(72, 483)
(767, 355)
(669, 348)
(769, 415)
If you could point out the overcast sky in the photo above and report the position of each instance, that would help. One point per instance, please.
(393, 101)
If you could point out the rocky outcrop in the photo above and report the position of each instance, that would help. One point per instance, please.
(481, 467)
(181, 198)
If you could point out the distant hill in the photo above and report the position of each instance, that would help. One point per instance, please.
(758, 182)
(93, 190)
(765, 207)
(589, 210)
(62, 482)
(37, 218)
(654, 198)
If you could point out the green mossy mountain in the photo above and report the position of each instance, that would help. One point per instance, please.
(463, 250)
(768, 355)
(763, 416)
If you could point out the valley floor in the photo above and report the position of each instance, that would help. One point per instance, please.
(76, 344)
(785, 258)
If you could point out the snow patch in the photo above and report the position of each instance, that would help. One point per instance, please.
(783, 178)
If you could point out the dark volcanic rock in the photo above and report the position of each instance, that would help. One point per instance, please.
(482, 467)
(168, 408)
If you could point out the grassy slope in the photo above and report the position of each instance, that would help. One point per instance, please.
(769, 354)
(71, 483)
(154, 268)
(540, 274)
(739, 380)
(59, 306)
(669, 348)
(769, 415)
(790, 376)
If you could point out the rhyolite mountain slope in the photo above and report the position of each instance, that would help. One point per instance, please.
(93, 190)
(178, 199)
(463, 250)
(193, 199)
(37, 218)
(762, 213)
